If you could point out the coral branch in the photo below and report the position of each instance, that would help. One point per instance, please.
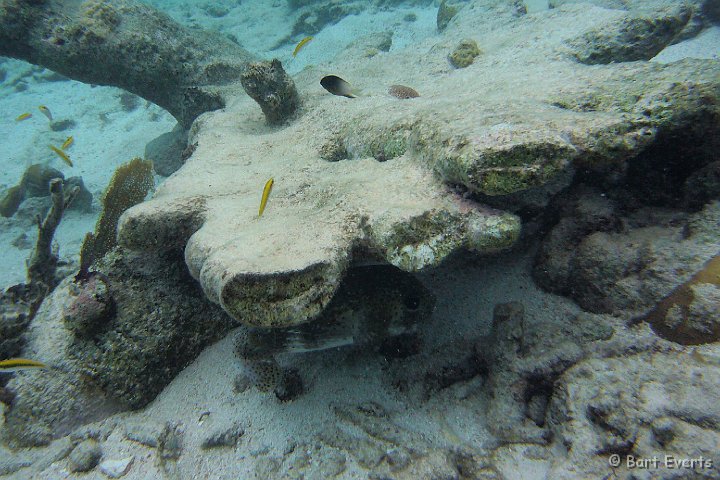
(125, 44)
(272, 88)
(41, 268)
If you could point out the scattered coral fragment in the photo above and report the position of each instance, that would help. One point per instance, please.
(465, 53)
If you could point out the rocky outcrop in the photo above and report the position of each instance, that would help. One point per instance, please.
(637, 405)
(383, 195)
(166, 151)
(589, 387)
(636, 36)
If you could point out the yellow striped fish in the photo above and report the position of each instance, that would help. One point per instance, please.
(301, 44)
(15, 364)
(265, 195)
(23, 116)
(66, 144)
(45, 111)
(61, 154)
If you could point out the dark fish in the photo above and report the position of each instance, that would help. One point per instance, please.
(337, 86)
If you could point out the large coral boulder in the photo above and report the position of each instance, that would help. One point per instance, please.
(657, 264)
(635, 36)
(369, 176)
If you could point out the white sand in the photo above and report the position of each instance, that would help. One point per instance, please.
(705, 46)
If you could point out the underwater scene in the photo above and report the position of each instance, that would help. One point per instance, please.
(360, 239)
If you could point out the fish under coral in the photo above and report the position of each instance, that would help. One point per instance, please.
(374, 304)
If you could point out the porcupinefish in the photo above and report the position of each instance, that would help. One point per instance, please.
(372, 305)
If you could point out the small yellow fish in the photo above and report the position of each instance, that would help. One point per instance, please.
(265, 195)
(301, 44)
(61, 154)
(67, 143)
(45, 111)
(15, 364)
(23, 116)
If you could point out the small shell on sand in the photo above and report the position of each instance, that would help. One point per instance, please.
(402, 92)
